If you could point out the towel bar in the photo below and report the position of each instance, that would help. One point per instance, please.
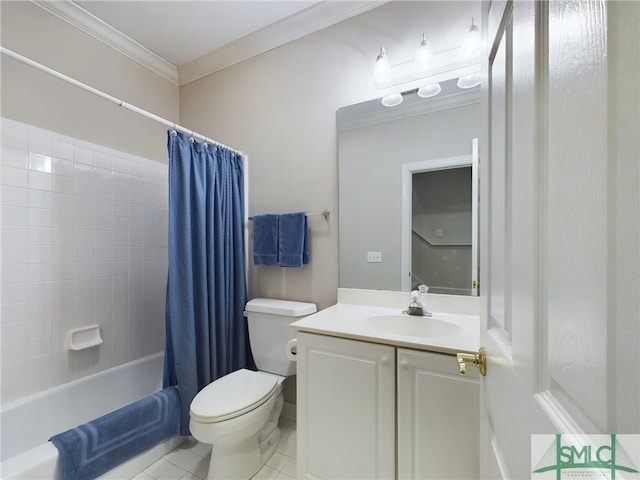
(326, 214)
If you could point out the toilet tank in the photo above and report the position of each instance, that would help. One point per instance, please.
(269, 323)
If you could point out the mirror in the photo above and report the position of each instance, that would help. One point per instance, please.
(377, 145)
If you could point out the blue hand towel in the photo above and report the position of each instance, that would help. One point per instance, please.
(293, 241)
(94, 448)
(265, 239)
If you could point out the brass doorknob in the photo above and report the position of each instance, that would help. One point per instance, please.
(476, 359)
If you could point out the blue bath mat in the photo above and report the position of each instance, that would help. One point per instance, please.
(94, 448)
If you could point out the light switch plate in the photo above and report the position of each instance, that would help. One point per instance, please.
(374, 257)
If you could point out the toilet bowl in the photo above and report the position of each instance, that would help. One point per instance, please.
(238, 413)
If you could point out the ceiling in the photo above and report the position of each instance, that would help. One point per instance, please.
(186, 40)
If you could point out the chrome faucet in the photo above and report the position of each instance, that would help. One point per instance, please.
(416, 307)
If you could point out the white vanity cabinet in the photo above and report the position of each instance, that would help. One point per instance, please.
(374, 411)
(346, 408)
(438, 422)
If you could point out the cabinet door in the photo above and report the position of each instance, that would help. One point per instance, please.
(437, 417)
(346, 409)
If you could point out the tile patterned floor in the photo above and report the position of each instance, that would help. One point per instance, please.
(190, 461)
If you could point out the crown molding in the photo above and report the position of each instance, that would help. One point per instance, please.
(317, 17)
(80, 18)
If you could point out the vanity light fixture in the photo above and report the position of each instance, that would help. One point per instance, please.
(426, 69)
(382, 70)
(392, 100)
(469, 81)
(430, 90)
(470, 49)
(422, 62)
(424, 54)
(424, 59)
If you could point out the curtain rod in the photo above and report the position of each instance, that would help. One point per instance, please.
(112, 99)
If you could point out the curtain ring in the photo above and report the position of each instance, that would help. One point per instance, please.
(191, 138)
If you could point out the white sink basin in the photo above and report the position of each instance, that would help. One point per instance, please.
(412, 326)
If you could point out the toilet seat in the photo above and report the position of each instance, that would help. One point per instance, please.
(232, 395)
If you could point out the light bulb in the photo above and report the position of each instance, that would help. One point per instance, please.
(470, 47)
(423, 54)
(392, 100)
(469, 81)
(382, 69)
(430, 90)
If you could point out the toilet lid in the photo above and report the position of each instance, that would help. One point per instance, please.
(232, 395)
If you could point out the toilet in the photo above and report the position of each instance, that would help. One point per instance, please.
(238, 413)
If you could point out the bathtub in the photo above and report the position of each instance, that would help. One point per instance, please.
(28, 423)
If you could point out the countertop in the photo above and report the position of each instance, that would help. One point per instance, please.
(353, 321)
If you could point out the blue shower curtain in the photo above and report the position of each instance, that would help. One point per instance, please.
(206, 332)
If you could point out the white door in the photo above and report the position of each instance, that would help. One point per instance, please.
(560, 263)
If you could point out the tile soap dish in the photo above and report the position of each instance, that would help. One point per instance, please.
(83, 338)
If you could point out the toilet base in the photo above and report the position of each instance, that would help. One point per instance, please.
(243, 459)
(239, 461)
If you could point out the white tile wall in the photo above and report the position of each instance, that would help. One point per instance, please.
(84, 241)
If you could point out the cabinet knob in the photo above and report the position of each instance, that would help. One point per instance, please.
(384, 360)
(404, 365)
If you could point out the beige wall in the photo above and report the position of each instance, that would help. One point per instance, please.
(280, 109)
(38, 99)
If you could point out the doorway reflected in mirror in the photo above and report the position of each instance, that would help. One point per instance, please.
(441, 231)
